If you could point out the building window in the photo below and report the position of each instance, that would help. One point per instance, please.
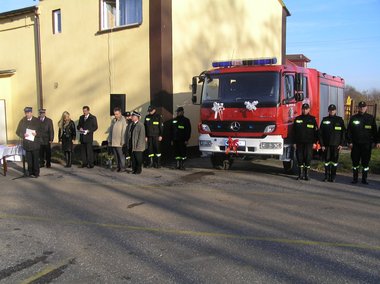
(118, 13)
(57, 22)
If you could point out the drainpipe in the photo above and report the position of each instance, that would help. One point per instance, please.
(37, 36)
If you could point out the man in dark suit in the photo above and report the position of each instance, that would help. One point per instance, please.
(87, 125)
(29, 129)
(47, 137)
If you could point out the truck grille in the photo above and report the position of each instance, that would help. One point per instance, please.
(245, 126)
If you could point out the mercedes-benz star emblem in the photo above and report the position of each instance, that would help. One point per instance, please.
(235, 126)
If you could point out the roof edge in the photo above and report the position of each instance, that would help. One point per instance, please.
(17, 12)
(284, 7)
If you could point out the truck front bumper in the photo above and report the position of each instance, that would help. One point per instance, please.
(270, 145)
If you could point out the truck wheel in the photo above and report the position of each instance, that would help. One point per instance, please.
(221, 161)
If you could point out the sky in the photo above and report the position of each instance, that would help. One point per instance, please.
(341, 37)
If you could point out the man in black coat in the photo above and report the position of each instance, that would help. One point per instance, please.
(47, 137)
(29, 130)
(305, 134)
(87, 125)
(361, 134)
(180, 135)
(332, 134)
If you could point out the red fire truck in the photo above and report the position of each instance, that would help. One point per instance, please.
(248, 106)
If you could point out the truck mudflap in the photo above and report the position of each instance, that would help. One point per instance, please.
(270, 145)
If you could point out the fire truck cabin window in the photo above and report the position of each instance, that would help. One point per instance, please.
(241, 87)
(289, 87)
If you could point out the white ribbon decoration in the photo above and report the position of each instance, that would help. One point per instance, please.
(218, 108)
(251, 106)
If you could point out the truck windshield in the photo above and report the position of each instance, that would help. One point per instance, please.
(236, 88)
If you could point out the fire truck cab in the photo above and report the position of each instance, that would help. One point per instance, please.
(247, 107)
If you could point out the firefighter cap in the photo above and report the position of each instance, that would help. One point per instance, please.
(136, 113)
(127, 113)
(151, 108)
(305, 106)
(179, 109)
(332, 107)
(28, 109)
(42, 110)
(362, 104)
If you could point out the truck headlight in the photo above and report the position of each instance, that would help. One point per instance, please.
(270, 128)
(205, 127)
(270, 145)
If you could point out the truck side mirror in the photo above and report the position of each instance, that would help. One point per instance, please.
(298, 88)
(194, 85)
(299, 97)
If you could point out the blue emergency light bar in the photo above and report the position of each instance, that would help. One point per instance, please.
(245, 62)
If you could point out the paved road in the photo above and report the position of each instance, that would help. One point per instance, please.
(252, 224)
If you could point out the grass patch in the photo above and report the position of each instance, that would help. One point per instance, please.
(345, 163)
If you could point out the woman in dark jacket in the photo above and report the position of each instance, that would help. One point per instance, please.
(66, 135)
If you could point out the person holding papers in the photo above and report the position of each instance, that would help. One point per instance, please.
(87, 125)
(29, 129)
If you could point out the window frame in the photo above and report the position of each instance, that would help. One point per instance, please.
(57, 21)
(104, 23)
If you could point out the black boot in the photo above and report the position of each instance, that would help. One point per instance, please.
(299, 173)
(182, 165)
(157, 163)
(150, 162)
(327, 173)
(364, 177)
(70, 157)
(355, 173)
(306, 173)
(333, 173)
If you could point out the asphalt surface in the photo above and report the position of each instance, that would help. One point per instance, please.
(252, 224)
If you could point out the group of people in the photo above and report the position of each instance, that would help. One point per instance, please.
(128, 137)
(360, 135)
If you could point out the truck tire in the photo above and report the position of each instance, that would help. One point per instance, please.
(221, 161)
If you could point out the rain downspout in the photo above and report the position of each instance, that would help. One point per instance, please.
(37, 35)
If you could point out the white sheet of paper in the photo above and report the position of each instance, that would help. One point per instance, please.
(30, 136)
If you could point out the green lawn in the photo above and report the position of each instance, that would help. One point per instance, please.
(345, 164)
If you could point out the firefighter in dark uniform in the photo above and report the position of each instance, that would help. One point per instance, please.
(361, 134)
(331, 137)
(180, 135)
(305, 134)
(154, 127)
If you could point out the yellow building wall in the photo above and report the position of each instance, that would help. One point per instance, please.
(18, 53)
(83, 67)
(220, 30)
